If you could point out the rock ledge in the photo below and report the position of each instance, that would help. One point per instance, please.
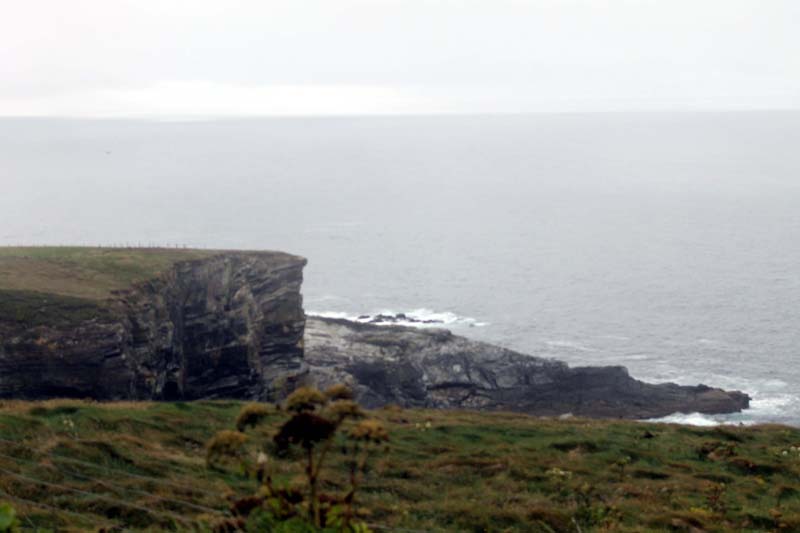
(435, 369)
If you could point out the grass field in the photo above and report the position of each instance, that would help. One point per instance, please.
(78, 466)
(85, 273)
(63, 285)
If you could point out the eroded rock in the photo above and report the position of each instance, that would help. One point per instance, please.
(433, 368)
(226, 326)
(232, 325)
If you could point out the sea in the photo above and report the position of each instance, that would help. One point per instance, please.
(665, 242)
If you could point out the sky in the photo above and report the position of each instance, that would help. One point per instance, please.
(202, 58)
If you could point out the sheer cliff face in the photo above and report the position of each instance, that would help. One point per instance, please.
(227, 326)
(232, 326)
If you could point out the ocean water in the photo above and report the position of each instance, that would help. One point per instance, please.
(667, 243)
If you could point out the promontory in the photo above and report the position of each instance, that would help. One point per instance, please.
(175, 324)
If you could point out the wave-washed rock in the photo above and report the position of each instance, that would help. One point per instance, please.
(414, 367)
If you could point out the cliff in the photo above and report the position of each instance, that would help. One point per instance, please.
(204, 325)
(428, 368)
(182, 325)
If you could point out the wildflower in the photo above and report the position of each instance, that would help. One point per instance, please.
(316, 419)
(305, 429)
(305, 399)
(341, 409)
(558, 473)
(261, 472)
(251, 415)
(339, 392)
(369, 431)
(226, 443)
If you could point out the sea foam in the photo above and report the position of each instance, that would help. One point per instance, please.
(421, 317)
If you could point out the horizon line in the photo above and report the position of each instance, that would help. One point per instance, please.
(430, 114)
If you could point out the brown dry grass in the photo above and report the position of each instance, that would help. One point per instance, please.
(24, 407)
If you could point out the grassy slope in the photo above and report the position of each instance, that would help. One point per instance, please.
(466, 472)
(87, 273)
(58, 285)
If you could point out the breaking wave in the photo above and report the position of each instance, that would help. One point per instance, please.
(764, 408)
(421, 317)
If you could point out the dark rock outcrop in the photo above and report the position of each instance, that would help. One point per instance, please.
(399, 318)
(434, 368)
(226, 326)
(231, 325)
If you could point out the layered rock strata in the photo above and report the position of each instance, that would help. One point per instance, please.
(414, 367)
(226, 326)
(232, 325)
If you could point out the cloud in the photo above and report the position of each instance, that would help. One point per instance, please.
(212, 57)
(205, 99)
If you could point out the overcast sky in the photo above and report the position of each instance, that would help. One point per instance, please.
(262, 57)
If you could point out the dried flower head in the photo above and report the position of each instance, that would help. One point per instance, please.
(339, 392)
(369, 431)
(305, 429)
(225, 444)
(305, 399)
(342, 409)
(251, 415)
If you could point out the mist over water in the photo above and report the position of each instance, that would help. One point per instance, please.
(667, 243)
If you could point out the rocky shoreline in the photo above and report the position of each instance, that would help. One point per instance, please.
(397, 318)
(433, 368)
(232, 325)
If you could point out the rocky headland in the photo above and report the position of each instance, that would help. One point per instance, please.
(414, 367)
(222, 325)
(232, 325)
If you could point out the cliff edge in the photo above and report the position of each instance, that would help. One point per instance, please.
(114, 324)
(149, 324)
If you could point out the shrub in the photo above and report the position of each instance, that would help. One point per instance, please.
(317, 422)
(305, 399)
(251, 415)
(339, 392)
(225, 446)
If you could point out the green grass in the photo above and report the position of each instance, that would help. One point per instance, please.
(85, 273)
(444, 471)
(61, 286)
(33, 309)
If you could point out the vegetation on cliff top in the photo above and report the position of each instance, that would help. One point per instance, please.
(66, 285)
(57, 286)
(86, 273)
(82, 465)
